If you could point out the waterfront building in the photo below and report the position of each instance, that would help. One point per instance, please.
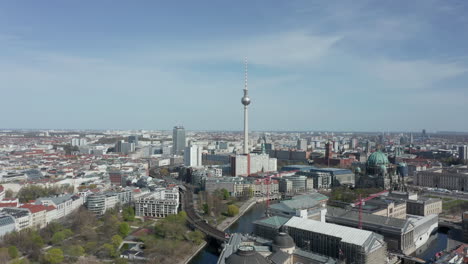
(404, 235)
(309, 206)
(424, 206)
(241, 249)
(269, 227)
(446, 178)
(340, 242)
(178, 140)
(300, 183)
(285, 186)
(159, 203)
(386, 207)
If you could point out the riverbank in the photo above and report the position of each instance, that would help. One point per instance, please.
(198, 249)
(226, 224)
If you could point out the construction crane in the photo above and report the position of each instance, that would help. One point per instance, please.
(361, 202)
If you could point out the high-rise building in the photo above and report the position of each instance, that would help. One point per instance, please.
(302, 144)
(124, 147)
(193, 156)
(178, 140)
(79, 142)
(354, 143)
(463, 152)
(133, 139)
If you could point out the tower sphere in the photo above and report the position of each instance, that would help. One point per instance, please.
(245, 100)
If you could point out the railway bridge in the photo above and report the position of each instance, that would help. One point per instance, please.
(195, 220)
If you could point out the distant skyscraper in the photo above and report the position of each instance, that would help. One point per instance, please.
(463, 152)
(424, 135)
(178, 140)
(354, 143)
(302, 144)
(79, 142)
(133, 139)
(411, 138)
(193, 156)
(124, 147)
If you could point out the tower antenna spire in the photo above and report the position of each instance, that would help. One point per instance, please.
(246, 74)
(246, 101)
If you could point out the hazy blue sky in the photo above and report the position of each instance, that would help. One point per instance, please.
(313, 65)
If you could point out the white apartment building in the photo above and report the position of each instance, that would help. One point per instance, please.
(160, 203)
(193, 156)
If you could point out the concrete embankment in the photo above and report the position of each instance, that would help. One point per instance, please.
(200, 248)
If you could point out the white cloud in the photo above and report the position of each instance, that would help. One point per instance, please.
(415, 74)
(276, 50)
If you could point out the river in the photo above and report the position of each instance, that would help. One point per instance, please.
(210, 254)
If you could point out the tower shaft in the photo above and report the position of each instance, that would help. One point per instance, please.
(246, 130)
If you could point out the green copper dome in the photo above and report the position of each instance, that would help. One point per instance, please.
(377, 159)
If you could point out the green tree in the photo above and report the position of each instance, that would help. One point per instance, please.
(20, 261)
(74, 251)
(116, 241)
(128, 213)
(13, 251)
(110, 250)
(90, 247)
(58, 237)
(232, 210)
(206, 209)
(124, 229)
(196, 236)
(225, 194)
(54, 256)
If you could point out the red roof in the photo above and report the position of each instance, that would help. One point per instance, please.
(49, 207)
(34, 208)
(8, 204)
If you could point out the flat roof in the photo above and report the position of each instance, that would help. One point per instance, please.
(347, 234)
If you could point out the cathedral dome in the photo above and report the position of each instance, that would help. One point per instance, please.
(246, 255)
(283, 240)
(377, 159)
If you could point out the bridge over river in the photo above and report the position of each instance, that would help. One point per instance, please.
(194, 218)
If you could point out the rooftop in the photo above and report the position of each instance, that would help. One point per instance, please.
(347, 234)
(371, 219)
(274, 221)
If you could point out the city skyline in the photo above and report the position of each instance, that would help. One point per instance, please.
(312, 66)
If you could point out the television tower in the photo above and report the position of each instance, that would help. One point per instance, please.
(246, 101)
